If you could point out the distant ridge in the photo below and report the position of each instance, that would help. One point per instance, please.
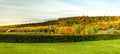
(83, 20)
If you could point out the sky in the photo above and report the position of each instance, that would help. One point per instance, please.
(30, 11)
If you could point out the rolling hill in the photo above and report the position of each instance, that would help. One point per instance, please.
(79, 23)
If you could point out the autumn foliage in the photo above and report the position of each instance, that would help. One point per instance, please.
(69, 25)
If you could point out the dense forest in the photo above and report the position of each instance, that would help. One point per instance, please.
(71, 25)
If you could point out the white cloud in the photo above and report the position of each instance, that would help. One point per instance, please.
(23, 11)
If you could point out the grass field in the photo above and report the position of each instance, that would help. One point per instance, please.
(90, 47)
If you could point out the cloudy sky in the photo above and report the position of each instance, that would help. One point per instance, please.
(27, 11)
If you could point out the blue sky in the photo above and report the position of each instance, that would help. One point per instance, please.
(28, 11)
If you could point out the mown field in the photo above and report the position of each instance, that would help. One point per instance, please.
(89, 47)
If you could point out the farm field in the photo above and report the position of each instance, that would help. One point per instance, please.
(89, 47)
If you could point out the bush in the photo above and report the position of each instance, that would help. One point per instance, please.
(78, 28)
(66, 30)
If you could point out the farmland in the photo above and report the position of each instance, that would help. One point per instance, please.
(89, 47)
(71, 35)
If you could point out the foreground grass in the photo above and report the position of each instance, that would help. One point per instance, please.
(90, 47)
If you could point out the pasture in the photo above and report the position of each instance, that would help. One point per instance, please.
(89, 47)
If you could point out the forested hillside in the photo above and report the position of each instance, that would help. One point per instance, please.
(70, 25)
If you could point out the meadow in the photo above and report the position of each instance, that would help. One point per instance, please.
(89, 47)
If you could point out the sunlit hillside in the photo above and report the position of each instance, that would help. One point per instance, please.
(71, 25)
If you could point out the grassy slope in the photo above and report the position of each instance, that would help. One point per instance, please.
(92, 47)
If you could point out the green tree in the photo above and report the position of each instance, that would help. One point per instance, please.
(77, 27)
(95, 29)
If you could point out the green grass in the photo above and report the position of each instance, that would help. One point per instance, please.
(90, 47)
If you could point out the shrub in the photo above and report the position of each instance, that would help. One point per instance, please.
(66, 30)
(78, 28)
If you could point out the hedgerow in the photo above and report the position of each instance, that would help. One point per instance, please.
(17, 38)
